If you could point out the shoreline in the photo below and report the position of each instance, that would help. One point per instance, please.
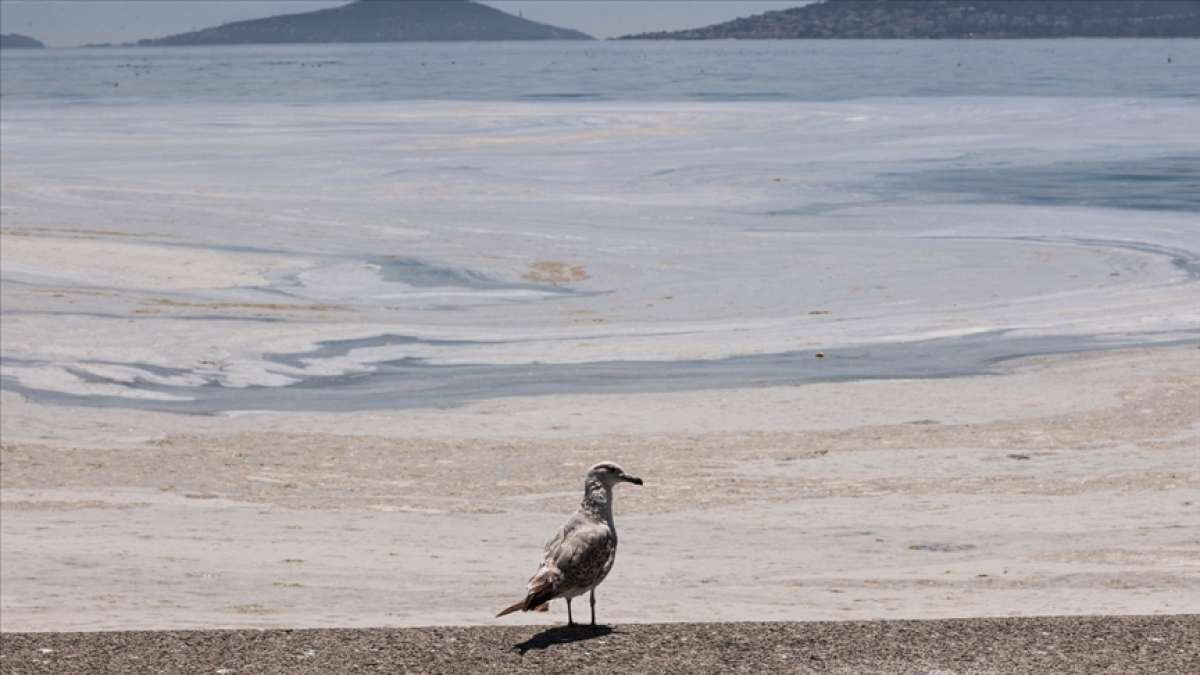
(304, 242)
(410, 383)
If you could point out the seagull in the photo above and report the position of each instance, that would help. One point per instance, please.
(582, 552)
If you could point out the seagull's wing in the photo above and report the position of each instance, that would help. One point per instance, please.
(584, 555)
(576, 545)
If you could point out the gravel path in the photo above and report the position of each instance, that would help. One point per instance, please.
(1086, 644)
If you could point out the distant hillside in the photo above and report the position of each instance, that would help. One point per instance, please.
(15, 41)
(378, 21)
(931, 19)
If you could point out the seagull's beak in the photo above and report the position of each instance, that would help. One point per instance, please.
(631, 479)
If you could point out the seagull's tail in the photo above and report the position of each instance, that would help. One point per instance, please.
(537, 600)
(511, 608)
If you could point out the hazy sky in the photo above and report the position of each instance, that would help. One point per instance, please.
(62, 23)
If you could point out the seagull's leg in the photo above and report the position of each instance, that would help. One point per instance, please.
(570, 621)
(592, 597)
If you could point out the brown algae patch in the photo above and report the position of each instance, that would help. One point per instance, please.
(555, 272)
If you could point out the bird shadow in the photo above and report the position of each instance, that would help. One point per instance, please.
(561, 635)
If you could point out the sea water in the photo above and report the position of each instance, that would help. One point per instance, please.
(723, 70)
(354, 226)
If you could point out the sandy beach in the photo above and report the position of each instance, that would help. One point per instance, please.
(1066, 485)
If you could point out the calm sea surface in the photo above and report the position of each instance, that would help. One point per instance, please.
(695, 71)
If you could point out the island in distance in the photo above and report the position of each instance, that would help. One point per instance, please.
(933, 19)
(17, 41)
(377, 21)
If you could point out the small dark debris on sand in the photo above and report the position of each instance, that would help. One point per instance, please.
(1082, 644)
(940, 547)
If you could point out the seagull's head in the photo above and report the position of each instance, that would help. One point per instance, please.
(609, 474)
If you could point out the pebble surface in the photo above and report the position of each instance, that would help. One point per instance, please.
(1082, 644)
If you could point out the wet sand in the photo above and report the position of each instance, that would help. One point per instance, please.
(1161, 645)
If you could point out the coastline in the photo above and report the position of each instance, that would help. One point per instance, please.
(653, 261)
